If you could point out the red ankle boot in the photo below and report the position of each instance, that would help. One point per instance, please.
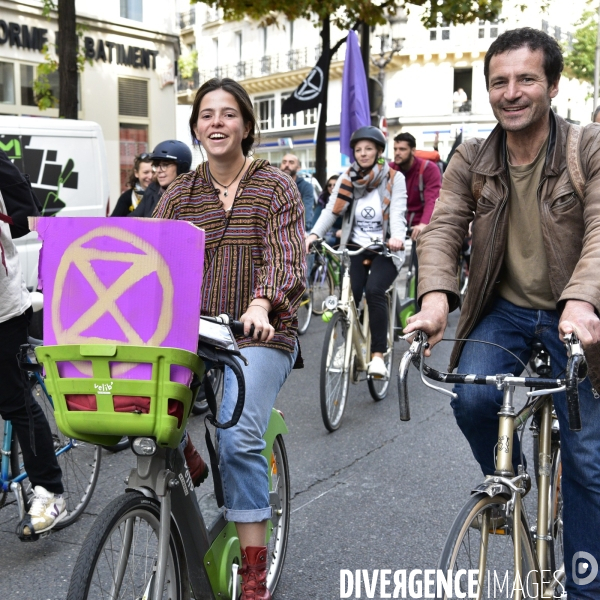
(198, 468)
(254, 573)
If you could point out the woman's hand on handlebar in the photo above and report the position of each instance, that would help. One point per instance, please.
(257, 314)
(309, 240)
(395, 244)
(432, 318)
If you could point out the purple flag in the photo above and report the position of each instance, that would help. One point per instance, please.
(355, 95)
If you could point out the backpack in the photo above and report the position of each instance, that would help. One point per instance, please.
(421, 184)
(574, 168)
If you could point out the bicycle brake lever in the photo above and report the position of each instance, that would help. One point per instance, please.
(429, 385)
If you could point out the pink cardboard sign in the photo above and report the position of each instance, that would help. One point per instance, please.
(120, 281)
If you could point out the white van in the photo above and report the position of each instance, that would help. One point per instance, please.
(66, 164)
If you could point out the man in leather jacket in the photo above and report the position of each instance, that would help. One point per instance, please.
(534, 271)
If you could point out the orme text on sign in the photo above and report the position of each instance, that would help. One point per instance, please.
(34, 38)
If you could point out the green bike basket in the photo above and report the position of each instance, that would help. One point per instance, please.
(103, 424)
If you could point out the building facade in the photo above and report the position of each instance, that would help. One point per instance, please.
(420, 82)
(127, 84)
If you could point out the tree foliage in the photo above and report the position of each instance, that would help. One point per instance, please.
(71, 55)
(345, 13)
(579, 61)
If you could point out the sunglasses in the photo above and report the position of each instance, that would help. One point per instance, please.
(163, 166)
(144, 156)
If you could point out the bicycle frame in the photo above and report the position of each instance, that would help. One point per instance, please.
(504, 482)
(210, 553)
(361, 336)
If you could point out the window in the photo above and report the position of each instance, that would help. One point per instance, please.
(287, 120)
(215, 43)
(133, 97)
(264, 108)
(441, 32)
(132, 9)
(310, 116)
(238, 45)
(27, 77)
(463, 87)
(7, 83)
(133, 140)
(489, 28)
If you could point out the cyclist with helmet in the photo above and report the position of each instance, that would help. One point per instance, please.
(169, 159)
(372, 199)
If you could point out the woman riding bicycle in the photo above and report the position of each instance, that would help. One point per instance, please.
(372, 199)
(254, 269)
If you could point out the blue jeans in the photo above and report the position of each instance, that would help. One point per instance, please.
(476, 411)
(244, 469)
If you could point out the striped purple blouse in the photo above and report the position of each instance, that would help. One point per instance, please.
(259, 255)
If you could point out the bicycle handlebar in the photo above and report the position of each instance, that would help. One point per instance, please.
(576, 370)
(375, 246)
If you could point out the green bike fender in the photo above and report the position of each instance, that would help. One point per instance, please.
(276, 427)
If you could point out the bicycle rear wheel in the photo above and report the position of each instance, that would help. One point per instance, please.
(304, 313)
(322, 286)
(335, 375)
(78, 461)
(279, 525)
(119, 554)
(481, 540)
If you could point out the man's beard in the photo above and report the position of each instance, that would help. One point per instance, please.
(290, 172)
(404, 164)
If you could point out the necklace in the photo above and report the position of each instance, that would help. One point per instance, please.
(226, 187)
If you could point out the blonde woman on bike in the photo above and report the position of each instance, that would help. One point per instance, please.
(372, 199)
(254, 269)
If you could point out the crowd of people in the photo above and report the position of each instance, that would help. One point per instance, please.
(533, 271)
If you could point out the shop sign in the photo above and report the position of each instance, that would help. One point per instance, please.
(34, 38)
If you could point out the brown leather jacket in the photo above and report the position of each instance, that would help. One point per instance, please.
(571, 228)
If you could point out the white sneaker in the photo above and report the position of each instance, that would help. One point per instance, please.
(377, 369)
(47, 509)
(338, 358)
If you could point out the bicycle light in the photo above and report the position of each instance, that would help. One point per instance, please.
(144, 446)
(330, 303)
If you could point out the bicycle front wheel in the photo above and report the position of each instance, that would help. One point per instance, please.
(304, 313)
(480, 539)
(322, 286)
(335, 374)
(118, 557)
(279, 525)
(78, 461)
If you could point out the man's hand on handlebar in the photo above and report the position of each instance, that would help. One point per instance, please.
(257, 314)
(580, 317)
(432, 318)
(416, 231)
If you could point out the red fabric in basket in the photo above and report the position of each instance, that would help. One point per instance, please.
(137, 404)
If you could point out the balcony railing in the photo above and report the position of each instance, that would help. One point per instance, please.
(268, 65)
(187, 18)
(185, 84)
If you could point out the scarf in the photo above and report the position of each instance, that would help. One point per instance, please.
(356, 182)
